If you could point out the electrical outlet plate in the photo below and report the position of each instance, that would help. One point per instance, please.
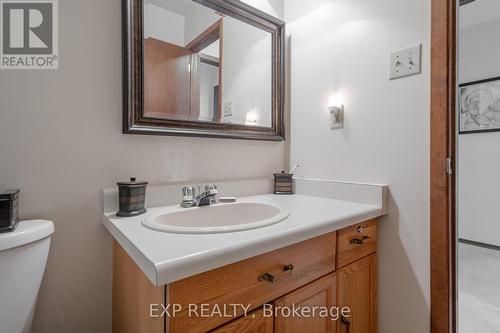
(228, 108)
(406, 62)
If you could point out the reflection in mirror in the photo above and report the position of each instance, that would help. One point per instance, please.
(201, 65)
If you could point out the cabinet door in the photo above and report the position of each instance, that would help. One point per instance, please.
(254, 322)
(356, 290)
(317, 295)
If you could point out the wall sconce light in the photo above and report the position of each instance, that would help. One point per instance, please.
(336, 108)
(251, 118)
(336, 116)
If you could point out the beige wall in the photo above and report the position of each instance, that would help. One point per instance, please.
(61, 142)
(343, 47)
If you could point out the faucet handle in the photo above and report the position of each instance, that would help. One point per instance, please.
(188, 193)
(212, 189)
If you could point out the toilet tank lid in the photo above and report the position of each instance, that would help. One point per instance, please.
(25, 233)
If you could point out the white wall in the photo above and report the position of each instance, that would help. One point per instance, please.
(479, 157)
(477, 12)
(343, 46)
(61, 142)
(272, 7)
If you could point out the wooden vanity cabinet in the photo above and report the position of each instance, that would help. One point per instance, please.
(333, 270)
(254, 322)
(317, 295)
(356, 289)
(251, 282)
(357, 277)
(356, 242)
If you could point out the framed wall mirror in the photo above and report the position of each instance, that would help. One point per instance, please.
(210, 68)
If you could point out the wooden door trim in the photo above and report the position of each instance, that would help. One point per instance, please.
(206, 38)
(442, 185)
(200, 42)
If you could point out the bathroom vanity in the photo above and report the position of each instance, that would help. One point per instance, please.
(323, 256)
(332, 270)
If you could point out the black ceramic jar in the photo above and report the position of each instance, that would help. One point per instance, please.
(132, 196)
(9, 210)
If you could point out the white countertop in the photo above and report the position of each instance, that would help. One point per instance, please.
(168, 257)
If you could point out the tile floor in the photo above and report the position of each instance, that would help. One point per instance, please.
(479, 289)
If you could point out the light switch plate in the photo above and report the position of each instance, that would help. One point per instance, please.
(228, 108)
(406, 62)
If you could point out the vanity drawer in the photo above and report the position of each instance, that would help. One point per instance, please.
(356, 242)
(253, 282)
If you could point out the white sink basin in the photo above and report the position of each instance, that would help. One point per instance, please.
(217, 218)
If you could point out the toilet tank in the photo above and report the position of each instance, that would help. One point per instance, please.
(23, 255)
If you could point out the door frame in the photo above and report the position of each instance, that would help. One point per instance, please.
(442, 179)
(206, 38)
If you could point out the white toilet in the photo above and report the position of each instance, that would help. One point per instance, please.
(23, 255)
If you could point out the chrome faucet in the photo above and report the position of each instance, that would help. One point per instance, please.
(190, 199)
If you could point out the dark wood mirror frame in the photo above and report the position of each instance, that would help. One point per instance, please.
(134, 121)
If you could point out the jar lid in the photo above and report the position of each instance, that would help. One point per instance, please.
(283, 174)
(4, 194)
(133, 182)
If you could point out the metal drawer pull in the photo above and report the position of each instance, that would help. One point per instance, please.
(287, 271)
(358, 241)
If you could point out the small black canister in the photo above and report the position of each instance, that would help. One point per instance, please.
(132, 198)
(9, 210)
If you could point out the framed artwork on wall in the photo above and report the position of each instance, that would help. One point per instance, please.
(480, 106)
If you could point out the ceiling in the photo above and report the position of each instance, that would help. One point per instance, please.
(176, 6)
(477, 12)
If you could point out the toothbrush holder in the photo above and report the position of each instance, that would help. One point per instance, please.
(283, 183)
